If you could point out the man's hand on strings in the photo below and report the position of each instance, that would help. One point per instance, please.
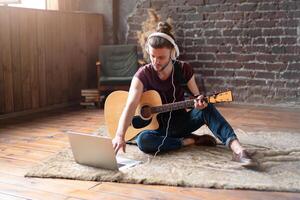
(200, 102)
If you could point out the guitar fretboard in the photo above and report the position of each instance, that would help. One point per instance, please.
(173, 106)
(212, 98)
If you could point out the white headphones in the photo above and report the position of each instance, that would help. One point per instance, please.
(174, 54)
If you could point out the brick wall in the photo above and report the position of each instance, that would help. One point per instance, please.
(249, 46)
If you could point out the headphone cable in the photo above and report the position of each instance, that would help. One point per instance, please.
(170, 113)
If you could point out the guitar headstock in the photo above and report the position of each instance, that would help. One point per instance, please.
(219, 97)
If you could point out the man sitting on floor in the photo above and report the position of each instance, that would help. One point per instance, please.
(175, 128)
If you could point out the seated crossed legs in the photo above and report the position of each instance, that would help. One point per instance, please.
(183, 123)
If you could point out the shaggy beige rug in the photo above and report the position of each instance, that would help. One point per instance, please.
(277, 153)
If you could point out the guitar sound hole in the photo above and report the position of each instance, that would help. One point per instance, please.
(146, 112)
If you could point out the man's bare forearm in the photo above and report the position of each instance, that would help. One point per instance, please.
(125, 120)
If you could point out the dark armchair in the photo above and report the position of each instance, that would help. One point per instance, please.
(116, 66)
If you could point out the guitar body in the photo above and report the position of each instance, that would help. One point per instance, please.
(115, 104)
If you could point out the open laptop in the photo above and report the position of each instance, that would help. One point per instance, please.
(97, 151)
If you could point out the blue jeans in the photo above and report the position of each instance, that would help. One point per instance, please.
(182, 124)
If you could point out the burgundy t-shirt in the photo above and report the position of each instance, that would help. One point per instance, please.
(149, 77)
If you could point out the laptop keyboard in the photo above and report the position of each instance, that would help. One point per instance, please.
(120, 165)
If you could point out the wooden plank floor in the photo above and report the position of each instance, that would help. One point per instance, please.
(25, 141)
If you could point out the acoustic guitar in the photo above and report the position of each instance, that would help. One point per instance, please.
(148, 108)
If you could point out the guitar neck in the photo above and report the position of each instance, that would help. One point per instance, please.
(213, 98)
(173, 106)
